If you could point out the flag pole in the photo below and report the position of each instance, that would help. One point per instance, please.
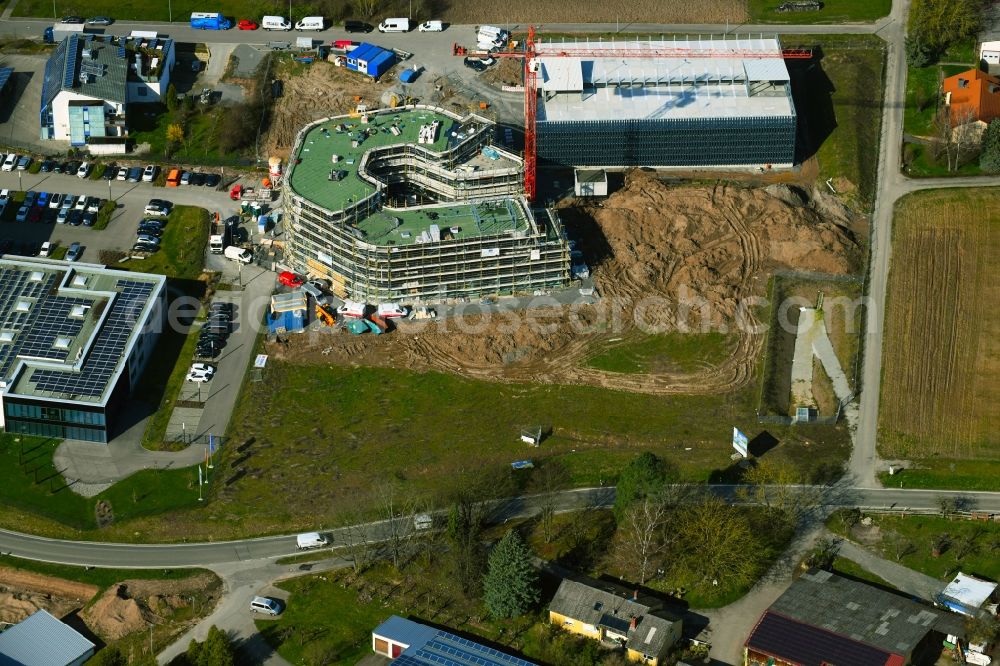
(199, 484)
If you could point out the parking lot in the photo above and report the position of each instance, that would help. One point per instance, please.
(120, 233)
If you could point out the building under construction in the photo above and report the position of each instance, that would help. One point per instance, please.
(414, 203)
(638, 107)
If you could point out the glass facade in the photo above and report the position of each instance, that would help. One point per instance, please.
(55, 421)
(668, 142)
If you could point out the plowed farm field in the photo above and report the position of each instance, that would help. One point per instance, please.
(941, 375)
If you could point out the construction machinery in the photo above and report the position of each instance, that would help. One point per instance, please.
(325, 314)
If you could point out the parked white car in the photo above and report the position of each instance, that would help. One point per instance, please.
(149, 173)
(84, 170)
(45, 250)
(392, 310)
(10, 162)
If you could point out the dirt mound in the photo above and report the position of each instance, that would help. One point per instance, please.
(22, 593)
(664, 258)
(117, 614)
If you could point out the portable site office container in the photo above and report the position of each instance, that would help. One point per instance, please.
(371, 60)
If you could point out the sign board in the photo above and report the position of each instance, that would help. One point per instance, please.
(740, 442)
(260, 361)
(489, 252)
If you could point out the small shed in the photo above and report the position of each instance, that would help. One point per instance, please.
(591, 182)
(989, 53)
(968, 595)
(371, 60)
(42, 640)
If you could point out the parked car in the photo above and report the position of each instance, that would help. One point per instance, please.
(4, 196)
(212, 179)
(149, 231)
(29, 197)
(81, 203)
(74, 218)
(185, 178)
(84, 170)
(122, 173)
(74, 252)
(62, 216)
(110, 172)
(474, 64)
(201, 367)
(89, 219)
(45, 250)
(157, 207)
(147, 238)
(358, 26)
(47, 166)
(145, 247)
(9, 162)
(100, 20)
(265, 605)
(72, 166)
(431, 26)
(43, 200)
(134, 175)
(68, 200)
(200, 376)
(55, 201)
(23, 163)
(22, 214)
(151, 223)
(290, 279)
(197, 178)
(94, 204)
(149, 173)
(392, 310)
(247, 24)
(72, 19)
(57, 167)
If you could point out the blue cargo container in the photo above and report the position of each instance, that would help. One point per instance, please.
(286, 322)
(371, 60)
(210, 21)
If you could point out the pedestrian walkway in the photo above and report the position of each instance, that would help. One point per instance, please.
(902, 578)
(9, 11)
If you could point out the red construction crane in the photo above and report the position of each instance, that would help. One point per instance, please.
(601, 50)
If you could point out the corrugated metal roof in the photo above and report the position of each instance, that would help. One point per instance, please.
(42, 640)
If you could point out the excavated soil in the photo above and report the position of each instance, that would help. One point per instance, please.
(653, 248)
(132, 605)
(22, 593)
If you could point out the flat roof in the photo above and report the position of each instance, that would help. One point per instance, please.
(67, 328)
(310, 175)
(656, 86)
(453, 222)
(969, 591)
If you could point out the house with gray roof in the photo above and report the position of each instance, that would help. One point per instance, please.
(42, 640)
(618, 619)
(89, 82)
(824, 618)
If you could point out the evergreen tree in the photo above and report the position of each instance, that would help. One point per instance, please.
(645, 475)
(989, 158)
(215, 651)
(171, 97)
(510, 586)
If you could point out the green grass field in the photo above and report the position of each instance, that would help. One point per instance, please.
(675, 352)
(973, 546)
(922, 94)
(833, 11)
(841, 104)
(948, 474)
(182, 250)
(98, 576)
(36, 497)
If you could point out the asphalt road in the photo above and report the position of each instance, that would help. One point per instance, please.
(124, 555)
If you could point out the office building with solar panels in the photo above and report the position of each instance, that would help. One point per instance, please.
(74, 340)
(89, 81)
(654, 111)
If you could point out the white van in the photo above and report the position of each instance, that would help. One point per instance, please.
(491, 33)
(394, 25)
(352, 309)
(310, 540)
(238, 254)
(275, 23)
(431, 26)
(391, 310)
(310, 23)
(265, 605)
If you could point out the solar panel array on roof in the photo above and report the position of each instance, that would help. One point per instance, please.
(450, 650)
(106, 350)
(69, 72)
(5, 74)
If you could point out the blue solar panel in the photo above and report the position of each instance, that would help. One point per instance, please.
(69, 72)
(121, 51)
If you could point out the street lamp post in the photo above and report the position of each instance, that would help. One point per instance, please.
(54, 13)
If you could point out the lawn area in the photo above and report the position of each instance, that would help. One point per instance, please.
(672, 352)
(945, 248)
(175, 351)
(948, 474)
(971, 546)
(182, 248)
(98, 576)
(201, 130)
(833, 11)
(838, 96)
(37, 499)
(922, 98)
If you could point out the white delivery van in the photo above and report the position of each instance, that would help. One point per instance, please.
(275, 23)
(238, 254)
(491, 33)
(310, 540)
(391, 310)
(394, 25)
(431, 26)
(352, 309)
(310, 23)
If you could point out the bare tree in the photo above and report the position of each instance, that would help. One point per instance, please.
(641, 535)
(358, 542)
(551, 477)
(367, 7)
(397, 516)
(957, 136)
(901, 547)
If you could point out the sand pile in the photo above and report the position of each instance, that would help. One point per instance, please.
(22, 593)
(117, 614)
(663, 258)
